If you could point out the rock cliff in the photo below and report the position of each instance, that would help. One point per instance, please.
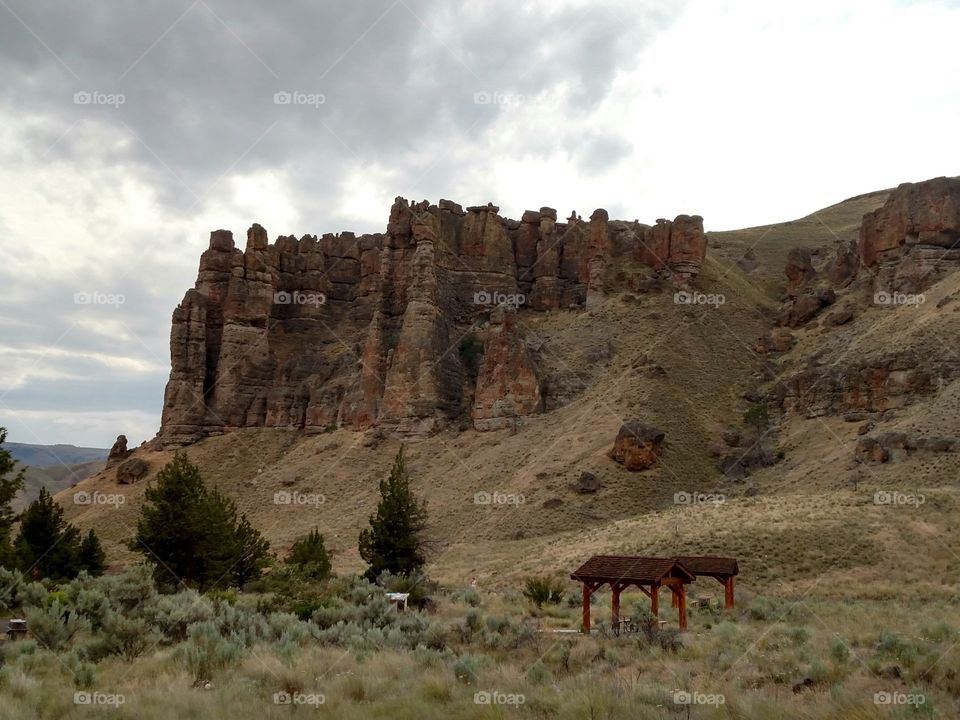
(377, 330)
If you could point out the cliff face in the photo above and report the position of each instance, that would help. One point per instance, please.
(914, 238)
(377, 330)
(905, 247)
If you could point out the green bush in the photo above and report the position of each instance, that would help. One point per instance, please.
(206, 652)
(128, 637)
(543, 590)
(54, 626)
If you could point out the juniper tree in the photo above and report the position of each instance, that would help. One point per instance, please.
(91, 556)
(193, 535)
(11, 481)
(47, 545)
(395, 539)
(310, 557)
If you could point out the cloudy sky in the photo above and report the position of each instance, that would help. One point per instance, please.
(129, 130)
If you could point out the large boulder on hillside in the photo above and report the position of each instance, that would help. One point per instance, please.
(637, 446)
(132, 470)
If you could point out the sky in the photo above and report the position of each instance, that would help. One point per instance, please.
(130, 130)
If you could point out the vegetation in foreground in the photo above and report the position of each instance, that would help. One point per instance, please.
(340, 649)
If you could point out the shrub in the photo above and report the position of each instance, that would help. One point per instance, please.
(839, 650)
(10, 583)
(206, 652)
(538, 674)
(543, 590)
(54, 626)
(128, 637)
(466, 670)
(469, 596)
(94, 606)
(172, 615)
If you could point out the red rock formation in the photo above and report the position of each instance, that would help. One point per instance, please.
(914, 236)
(363, 331)
(637, 446)
(507, 385)
(680, 245)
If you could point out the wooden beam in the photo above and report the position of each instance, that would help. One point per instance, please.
(682, 607)
(655, 599)
(586, 608)
(728, 592)
(615, 608)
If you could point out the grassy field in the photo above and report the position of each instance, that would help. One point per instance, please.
(477, 655)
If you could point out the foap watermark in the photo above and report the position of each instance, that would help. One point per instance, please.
(98, 498)
(296, 97)
(498, 498)
(895, 497)
(495, 297)
(692, 297)
(896, 298)
(85, 97)
(99, 298)
(298, 498)
(296, 297)
(495, 97)
(495, 697)
(311, 699)
(698, 498)
(685, 697)
(899, 698)
(113, 700)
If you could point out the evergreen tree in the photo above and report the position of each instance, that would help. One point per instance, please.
(310, 557)
(11, 481)
(254, 553)
(193, 535)
(47, 545)
(91, 556)
(395, 539)
(168, 532)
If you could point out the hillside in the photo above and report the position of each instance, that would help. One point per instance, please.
(55, 467)
(691, 370)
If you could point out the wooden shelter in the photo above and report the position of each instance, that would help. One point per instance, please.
(648, 574)
(724, 569)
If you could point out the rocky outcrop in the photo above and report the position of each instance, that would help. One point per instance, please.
(363, 331)
(507, 384)
(637, 446)
(799, 271)
(679, 246)
(873, 385)
(118, 453)
(914, 238)
(895, 446)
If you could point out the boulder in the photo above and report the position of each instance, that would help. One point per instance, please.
(587, 484)
(637, 446)
(132, 470)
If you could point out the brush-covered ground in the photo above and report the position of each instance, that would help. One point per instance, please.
(113, 647)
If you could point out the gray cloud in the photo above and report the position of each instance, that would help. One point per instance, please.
(198, 79)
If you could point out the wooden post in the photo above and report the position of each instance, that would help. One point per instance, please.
(586, 608)
(728, 592)
(682, 606)
(615, 609)
(655, 599)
